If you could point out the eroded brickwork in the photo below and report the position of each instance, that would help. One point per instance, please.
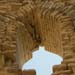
(26, 24)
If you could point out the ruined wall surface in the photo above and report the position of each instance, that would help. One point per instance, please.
(26, 24)
(16, 71)
(49, 23)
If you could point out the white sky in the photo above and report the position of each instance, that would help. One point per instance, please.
(42, 61)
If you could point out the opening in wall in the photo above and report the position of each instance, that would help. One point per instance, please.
(42, 61)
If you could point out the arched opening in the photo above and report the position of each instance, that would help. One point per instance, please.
(42, 61)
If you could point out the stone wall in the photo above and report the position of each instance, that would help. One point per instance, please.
(14, 71)
(29, 72)
(26, 24)
(50, 24)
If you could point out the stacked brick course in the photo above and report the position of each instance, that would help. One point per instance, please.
(26, 24)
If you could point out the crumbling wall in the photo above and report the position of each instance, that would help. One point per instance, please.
(26, 24)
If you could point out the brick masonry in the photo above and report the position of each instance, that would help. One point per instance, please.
(26, 24)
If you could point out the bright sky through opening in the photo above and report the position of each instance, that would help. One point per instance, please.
(42, 61)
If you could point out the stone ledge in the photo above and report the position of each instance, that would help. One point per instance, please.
(59, 67)
(63, 72)
(29, 72)
(72, 60)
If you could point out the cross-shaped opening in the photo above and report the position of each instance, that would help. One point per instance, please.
(42, 61)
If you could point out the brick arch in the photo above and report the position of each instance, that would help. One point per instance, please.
(37, 19)
(30, 16)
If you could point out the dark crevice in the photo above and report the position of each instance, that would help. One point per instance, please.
(35, 36)
(31, 29)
